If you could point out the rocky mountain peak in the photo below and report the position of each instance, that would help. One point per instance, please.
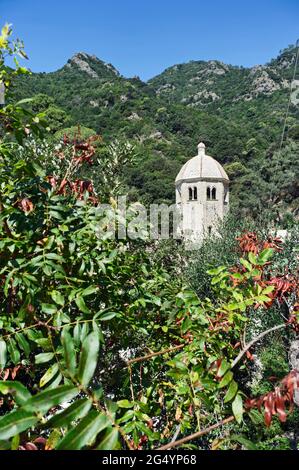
(91, 65)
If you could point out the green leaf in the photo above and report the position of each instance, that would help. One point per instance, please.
(13, 351)
(237, 407)
(125, 404)
(57, 297)
(15, 422)
(24, 101)
(226, 379)
(126, 417)
(2, 354)
(45, 400)
(98, 330)
(214, 272)
(88, 358)
(145, 429)
(110, 441)
(15, 442)
(84, 331)
(55, 382)
(44, 343)
(55, 215)
(239, 297)
(268, 290)
(252, 258)
(177, 365)
(69, 352)
(23, 343)
(43, 357)
(89, 291)
(263, 298)
(49, 374)
(107, 316)
(82, 305)
(6, 30)
(264, 256)
(54, 256)
(237, 276)
(249, 445)
(20, 393)
(231, 392)
(53, 439)
(85, 432)
(50, 309)
(76, 410)
(224, 366)
(77, 333)
(246, 264)
(256, 417)
(111, 407)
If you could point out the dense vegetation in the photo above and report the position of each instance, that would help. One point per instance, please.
(111, 343)
(238, 112)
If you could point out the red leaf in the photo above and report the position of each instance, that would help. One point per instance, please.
(30, 446)
(26, 205)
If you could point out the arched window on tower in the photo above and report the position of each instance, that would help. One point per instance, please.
(208, 193)
(210, 230)
(190, 194)
(214, 194)
(195, 193)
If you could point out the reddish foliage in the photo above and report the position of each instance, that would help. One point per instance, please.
(78, 188)
(82, 152)
(249, 356)
(38, 444)
(273, 242)
(284, 285)
(6, 373)
(277, 401)
(52, 181)
(249, 242)
(220, 322)
(30, 308)
(12, 372)
(30, 446)
(215, 366)
(15, 371)
(26, 205)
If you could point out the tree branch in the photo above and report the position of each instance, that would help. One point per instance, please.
(5, 224)
(196, 434)
(159, 353)
(255, 340)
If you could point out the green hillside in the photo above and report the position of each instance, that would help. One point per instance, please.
(238, 112)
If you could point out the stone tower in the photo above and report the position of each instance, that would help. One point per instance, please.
(202, 196)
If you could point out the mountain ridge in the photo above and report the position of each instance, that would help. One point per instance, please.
(282, 52)
(238, 112)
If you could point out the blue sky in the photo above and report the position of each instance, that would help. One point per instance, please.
(146, 36)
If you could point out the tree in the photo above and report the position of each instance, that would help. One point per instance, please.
(107, 325)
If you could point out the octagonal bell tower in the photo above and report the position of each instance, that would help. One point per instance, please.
(202, 195)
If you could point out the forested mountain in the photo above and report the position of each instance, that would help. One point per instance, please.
(109, 338)
(238, 112)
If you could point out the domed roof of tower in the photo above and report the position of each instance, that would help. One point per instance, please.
(202, 166)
